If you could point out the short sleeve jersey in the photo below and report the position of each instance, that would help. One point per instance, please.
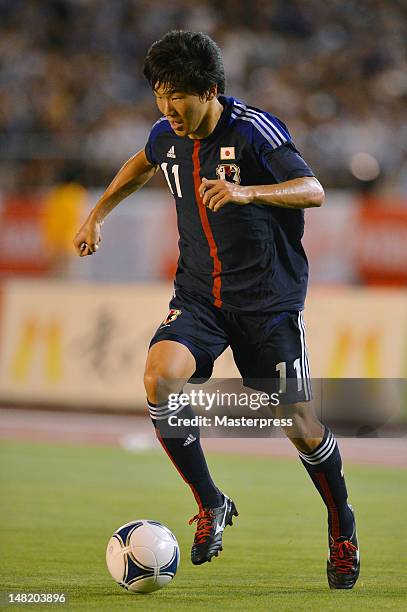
(243, 258)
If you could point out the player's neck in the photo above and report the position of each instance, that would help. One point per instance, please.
(209, 121)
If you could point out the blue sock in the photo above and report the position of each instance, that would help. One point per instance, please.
(182, 445)
(324, 465)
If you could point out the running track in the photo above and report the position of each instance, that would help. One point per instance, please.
(135, 433)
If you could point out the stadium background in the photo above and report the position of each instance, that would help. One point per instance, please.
(73, 107)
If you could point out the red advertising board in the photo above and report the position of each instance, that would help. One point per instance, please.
(381, 239)
(21, 237)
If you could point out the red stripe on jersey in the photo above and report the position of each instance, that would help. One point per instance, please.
(213, 249)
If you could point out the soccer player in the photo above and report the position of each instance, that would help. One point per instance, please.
(240, 188)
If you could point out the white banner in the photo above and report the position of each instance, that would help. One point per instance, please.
(85, 345)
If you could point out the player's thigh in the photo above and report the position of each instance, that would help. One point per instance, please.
(276, 358)
(188, 341)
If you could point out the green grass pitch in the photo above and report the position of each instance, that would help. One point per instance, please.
(60, 505)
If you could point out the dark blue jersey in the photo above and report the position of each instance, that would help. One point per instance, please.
(243, 257)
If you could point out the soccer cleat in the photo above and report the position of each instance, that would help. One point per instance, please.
(343, 564)
(210, 525)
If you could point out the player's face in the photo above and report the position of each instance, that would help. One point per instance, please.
(184, 111)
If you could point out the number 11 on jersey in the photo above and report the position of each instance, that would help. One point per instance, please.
(175, 172)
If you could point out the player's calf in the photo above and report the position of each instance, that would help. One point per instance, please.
(169, 366)
(322, 460)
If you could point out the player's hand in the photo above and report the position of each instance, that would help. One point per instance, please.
(88, 239)
(217, 193)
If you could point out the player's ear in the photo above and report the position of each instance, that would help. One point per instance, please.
(211, 93)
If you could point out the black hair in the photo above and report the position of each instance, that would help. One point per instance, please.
(185, 61)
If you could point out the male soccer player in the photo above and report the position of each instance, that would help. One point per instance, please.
(240, 187)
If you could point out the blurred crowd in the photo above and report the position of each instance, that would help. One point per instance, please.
(74, 104)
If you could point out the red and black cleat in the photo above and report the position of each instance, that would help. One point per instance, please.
(211, 523)
(343, 564)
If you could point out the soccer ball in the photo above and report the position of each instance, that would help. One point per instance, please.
(142, 556)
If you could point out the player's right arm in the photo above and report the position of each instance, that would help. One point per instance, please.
(131, 176)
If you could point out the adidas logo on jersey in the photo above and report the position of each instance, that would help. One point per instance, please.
(189, 440)
(171, 152)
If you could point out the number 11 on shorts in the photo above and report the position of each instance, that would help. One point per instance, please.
(281, 368)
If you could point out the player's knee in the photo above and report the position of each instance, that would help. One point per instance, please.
(169, 365)
(304, 424)
(160, 381)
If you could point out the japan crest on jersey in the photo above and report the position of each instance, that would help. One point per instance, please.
(172, 315)
(228, 172)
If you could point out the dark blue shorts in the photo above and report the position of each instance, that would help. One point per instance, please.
(269, 349)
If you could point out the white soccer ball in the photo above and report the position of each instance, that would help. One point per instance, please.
(142, 556)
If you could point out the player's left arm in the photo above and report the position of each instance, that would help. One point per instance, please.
(302, 192)
(292, 182)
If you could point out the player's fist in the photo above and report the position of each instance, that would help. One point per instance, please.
(88, 239)
(217, 193)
